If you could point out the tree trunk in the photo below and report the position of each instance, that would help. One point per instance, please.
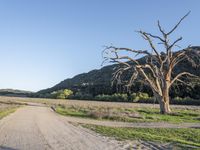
(164, 106)
(164, 103)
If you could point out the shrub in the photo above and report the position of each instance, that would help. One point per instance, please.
(120, 97)
(115, 97)
(81, 96)
(96, 114)
(176, 100)
(143, 95)
(61, 94)
(134, 97)
(103, 97)
(67, 93)
(137, 97)
(185, 101)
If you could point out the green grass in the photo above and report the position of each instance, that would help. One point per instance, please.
(177, 136)
(131, 114)
(177, 116)
(99, 114)
(7, 111)
(70, 112)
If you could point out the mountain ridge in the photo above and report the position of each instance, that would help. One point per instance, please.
(101, 78)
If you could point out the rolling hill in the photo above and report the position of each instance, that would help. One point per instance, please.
(14, 92)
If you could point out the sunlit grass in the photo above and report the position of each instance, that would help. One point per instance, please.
(130, 114)
(7, 111)
(178, 136)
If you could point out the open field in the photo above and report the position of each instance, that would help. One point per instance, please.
(86, 103)
(126, 112)
(138, 114)
(127, 125)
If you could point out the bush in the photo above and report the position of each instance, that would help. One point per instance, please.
(185, 101)
(67, 93)
(176, 100)
(97, 114)
(103, 97)
(120, 97)
(136, 97)
(81, 96)
(115, 97)
(61, 94)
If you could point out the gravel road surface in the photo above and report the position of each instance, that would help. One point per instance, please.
(39, 128)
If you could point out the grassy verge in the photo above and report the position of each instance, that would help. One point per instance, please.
(130, 114)
(7, 111)
(177, 136)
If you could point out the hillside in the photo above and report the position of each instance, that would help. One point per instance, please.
(99, 81)
(14, 92)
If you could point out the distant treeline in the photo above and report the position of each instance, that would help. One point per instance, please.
(138, 97)
(177, 90)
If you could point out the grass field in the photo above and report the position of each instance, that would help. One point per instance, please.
(177, 136)
(141, 114)
(127, 112)
(86, 103)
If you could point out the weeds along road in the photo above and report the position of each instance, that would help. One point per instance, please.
(39, 128)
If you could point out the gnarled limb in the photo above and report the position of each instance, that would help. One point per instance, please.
(182, 74)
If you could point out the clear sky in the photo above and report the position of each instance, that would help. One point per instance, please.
(43, 42)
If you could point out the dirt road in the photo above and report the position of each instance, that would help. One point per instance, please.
(39, 128)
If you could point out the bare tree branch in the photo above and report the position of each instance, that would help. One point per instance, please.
(174, 28)
(161, 30)
(150, 43)
(180, 75)
(154, 36)
(128, 49)
(174, 43)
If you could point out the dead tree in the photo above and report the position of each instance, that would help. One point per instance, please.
(157, 71)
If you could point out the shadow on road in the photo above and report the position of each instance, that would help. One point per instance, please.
(6, 148)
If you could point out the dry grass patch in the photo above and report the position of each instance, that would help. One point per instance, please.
(142, 114)
(6, 109)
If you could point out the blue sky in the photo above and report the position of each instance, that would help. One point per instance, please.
(43, 42)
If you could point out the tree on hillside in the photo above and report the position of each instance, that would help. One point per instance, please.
(158, 70)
